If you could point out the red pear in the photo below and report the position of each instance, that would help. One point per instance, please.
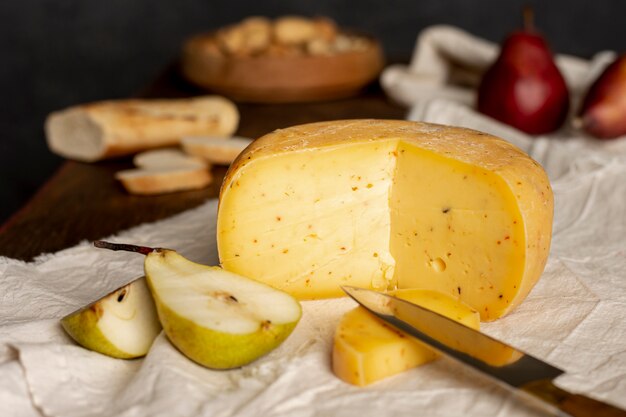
(524, 88)
(603, 113)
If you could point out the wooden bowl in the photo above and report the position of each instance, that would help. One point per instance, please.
(285, 79)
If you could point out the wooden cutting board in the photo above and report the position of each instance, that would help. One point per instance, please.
(83, 201)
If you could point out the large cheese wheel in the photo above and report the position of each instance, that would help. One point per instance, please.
(385, 205)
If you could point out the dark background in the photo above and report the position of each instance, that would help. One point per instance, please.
(60, 53)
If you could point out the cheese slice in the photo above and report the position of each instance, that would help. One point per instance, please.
(366, 349)
(385, 205)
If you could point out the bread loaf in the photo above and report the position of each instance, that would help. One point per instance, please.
(95, 131)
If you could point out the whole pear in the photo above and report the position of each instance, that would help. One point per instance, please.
(603, 113)
(524, 88)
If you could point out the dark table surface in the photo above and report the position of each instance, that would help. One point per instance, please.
(84, 202)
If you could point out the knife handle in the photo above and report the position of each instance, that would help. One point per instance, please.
(580, 406)
(575, 405)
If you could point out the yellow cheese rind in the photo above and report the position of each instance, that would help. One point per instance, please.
(353, 202)
(366, 349)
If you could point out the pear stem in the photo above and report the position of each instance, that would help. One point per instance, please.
(144, 250)
(528, 17)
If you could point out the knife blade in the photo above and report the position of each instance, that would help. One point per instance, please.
(509, 366)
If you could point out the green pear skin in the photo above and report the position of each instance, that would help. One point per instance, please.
(122, 324)
(83, 328)
(166, 269)
(227, 351)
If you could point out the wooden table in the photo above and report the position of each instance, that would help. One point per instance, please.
(83, 201)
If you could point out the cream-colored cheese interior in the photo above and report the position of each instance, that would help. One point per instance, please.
(382, 215)
(312, 221)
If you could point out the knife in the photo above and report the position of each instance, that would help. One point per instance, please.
(519, 371)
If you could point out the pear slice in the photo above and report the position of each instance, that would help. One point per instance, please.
(122, 324)
(216, 318)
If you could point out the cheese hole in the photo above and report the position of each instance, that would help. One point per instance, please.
(438, 265)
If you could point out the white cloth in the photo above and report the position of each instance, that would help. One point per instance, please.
(574, 318)
(447, 63)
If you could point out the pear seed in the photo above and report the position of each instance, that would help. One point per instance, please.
(224, 296)
(97, 309)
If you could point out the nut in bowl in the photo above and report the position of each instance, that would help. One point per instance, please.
(290, 59)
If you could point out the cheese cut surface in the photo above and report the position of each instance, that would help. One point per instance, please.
(302, 232)
(386, 205)
(457, 229)
(366, 349)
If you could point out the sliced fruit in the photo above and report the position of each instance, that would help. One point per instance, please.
(216, 318)
(122, 324)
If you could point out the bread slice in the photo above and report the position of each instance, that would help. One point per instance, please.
(164, 171)
(167, 158)
(215, 149)
(164, 180)
(95, 131)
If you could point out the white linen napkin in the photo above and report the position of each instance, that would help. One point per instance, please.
(573, 318)
(448, 62)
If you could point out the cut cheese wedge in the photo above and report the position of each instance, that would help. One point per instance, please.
(385, 205)
(366, 349)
